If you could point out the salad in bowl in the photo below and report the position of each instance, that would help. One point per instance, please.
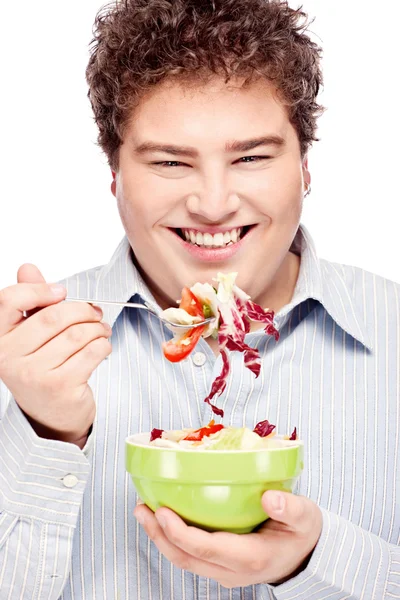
(214, 477)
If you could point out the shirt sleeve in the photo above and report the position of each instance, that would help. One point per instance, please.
(42, 483)
(348, 563)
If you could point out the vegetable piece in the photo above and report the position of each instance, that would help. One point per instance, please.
(240, 438)
(207, 311)
(190, 303)
(179, 348)
(155, 434)
(197, 436)
(219, 384)
(294, 434)
(236, 310)
(264, 428)
(182, 344)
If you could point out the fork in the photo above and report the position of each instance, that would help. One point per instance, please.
(145, 307)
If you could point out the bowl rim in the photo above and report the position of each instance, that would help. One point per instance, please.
(129, 443)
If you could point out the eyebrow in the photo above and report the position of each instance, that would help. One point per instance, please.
(234, 146)
(246, 145)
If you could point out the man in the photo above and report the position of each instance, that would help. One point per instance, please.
(206, 110)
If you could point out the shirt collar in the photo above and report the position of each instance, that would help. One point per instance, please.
(120, 281)
(322, 281)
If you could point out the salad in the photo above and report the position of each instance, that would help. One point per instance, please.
(232, 310)
(218, 437)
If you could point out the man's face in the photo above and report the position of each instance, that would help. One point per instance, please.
(210, 179)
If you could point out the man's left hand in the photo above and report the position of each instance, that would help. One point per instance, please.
(274, 553)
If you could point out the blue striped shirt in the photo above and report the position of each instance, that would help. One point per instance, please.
(66, 524)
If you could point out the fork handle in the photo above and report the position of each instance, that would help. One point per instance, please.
(130, 304)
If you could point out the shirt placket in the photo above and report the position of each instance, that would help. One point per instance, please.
(206, 368)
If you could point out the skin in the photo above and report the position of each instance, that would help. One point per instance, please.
(221, 188)
(279, 550)
(216, 188)
(47, 357)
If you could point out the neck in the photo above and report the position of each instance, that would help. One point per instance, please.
(278, 293)
(280, 290)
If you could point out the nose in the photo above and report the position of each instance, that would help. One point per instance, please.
(215, 202)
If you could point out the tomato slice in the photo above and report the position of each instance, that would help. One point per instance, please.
(175, 351)
(197, 436)
(191, 304)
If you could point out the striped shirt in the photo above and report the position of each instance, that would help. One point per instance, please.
(66, 524)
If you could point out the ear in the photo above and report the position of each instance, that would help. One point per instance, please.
(306, 172)
(114, 183)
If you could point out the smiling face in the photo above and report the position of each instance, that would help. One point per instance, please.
(212, 179)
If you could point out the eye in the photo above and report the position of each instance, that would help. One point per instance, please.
(252, 159)
(169, 163)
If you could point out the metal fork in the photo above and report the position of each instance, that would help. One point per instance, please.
(145, 307)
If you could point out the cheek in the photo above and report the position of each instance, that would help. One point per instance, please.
(278, 191)
(289, 193)
(140, 203)
(281, 202)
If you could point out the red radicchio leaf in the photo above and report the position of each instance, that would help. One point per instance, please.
(234, 342)
(155, 434)
(294, 435)
(252, 360)
(256, 313)
(264, 428)
(219, 384)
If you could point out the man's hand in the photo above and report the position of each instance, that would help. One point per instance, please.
(47, 359)
(272, 554)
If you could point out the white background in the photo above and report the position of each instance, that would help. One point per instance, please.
(56, 207)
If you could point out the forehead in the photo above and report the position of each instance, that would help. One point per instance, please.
(216, 110)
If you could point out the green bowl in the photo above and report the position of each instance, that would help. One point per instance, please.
(213, 490)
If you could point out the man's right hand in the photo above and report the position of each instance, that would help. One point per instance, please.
(46, 359)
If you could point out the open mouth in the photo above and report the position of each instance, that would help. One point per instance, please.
(214, 241)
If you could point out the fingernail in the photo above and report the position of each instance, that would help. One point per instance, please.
(277, 502)
(107, 327)
(58, 290)
(98, 310)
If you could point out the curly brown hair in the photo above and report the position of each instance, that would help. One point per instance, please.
(139, 43)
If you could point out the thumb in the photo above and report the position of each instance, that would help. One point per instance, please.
(29, 273)
(294, 511)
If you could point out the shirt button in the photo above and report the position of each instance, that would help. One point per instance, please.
(199, 359)
(70, 480)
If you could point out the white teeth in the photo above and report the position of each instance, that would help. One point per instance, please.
(218, 240)
(208, 239)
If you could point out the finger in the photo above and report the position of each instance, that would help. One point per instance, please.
(296, 512)
(29, 273)
(174, 554)
(229, 550)
(48, 323)
(81, 365)
(56, 352)
(16, 299)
